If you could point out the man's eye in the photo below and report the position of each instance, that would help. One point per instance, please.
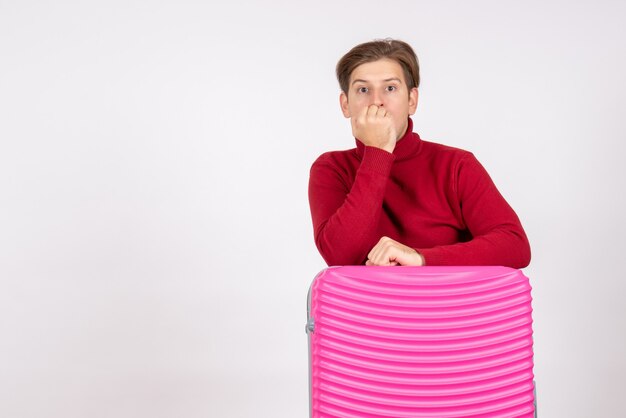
(391, 88)
(363, 90)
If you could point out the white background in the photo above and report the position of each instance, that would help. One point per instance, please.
(155, 239)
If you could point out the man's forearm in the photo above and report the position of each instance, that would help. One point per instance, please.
(345, 224)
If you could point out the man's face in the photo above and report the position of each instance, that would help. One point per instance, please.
(380, 83)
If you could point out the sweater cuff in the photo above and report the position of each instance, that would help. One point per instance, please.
(377, 160)
(432, 257)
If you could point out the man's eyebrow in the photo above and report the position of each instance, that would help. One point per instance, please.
(358, 80)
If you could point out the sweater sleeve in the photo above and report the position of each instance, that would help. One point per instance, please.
(345, 216)
(497, 234)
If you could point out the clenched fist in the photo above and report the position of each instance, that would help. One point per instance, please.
(375, 128)
(391, 253)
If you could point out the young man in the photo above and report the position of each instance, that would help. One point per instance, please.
(396, 199)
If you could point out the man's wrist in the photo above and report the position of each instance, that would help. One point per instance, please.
(422, 261)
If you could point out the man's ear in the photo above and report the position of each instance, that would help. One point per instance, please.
(343, 102)
(413, 95)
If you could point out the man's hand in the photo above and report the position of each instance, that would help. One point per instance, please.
(391, 253)
(375, 128)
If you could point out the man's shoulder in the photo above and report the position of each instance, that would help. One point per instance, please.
(336, 157)
(438, 149)
(451, 159)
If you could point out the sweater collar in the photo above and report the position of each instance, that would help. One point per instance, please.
(406, 147)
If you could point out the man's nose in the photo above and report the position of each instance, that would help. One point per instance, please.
(377, 99)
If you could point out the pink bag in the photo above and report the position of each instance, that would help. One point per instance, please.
(420, 342)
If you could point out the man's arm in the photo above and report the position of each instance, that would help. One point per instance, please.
(345, 218)
(498, 237)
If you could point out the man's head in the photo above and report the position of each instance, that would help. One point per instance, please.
(379, 76)
(395, 50)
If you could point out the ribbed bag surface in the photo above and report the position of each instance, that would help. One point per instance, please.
(420, 342)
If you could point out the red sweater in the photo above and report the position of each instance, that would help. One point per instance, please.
(436, 199)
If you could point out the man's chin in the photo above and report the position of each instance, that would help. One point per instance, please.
(400, 136)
